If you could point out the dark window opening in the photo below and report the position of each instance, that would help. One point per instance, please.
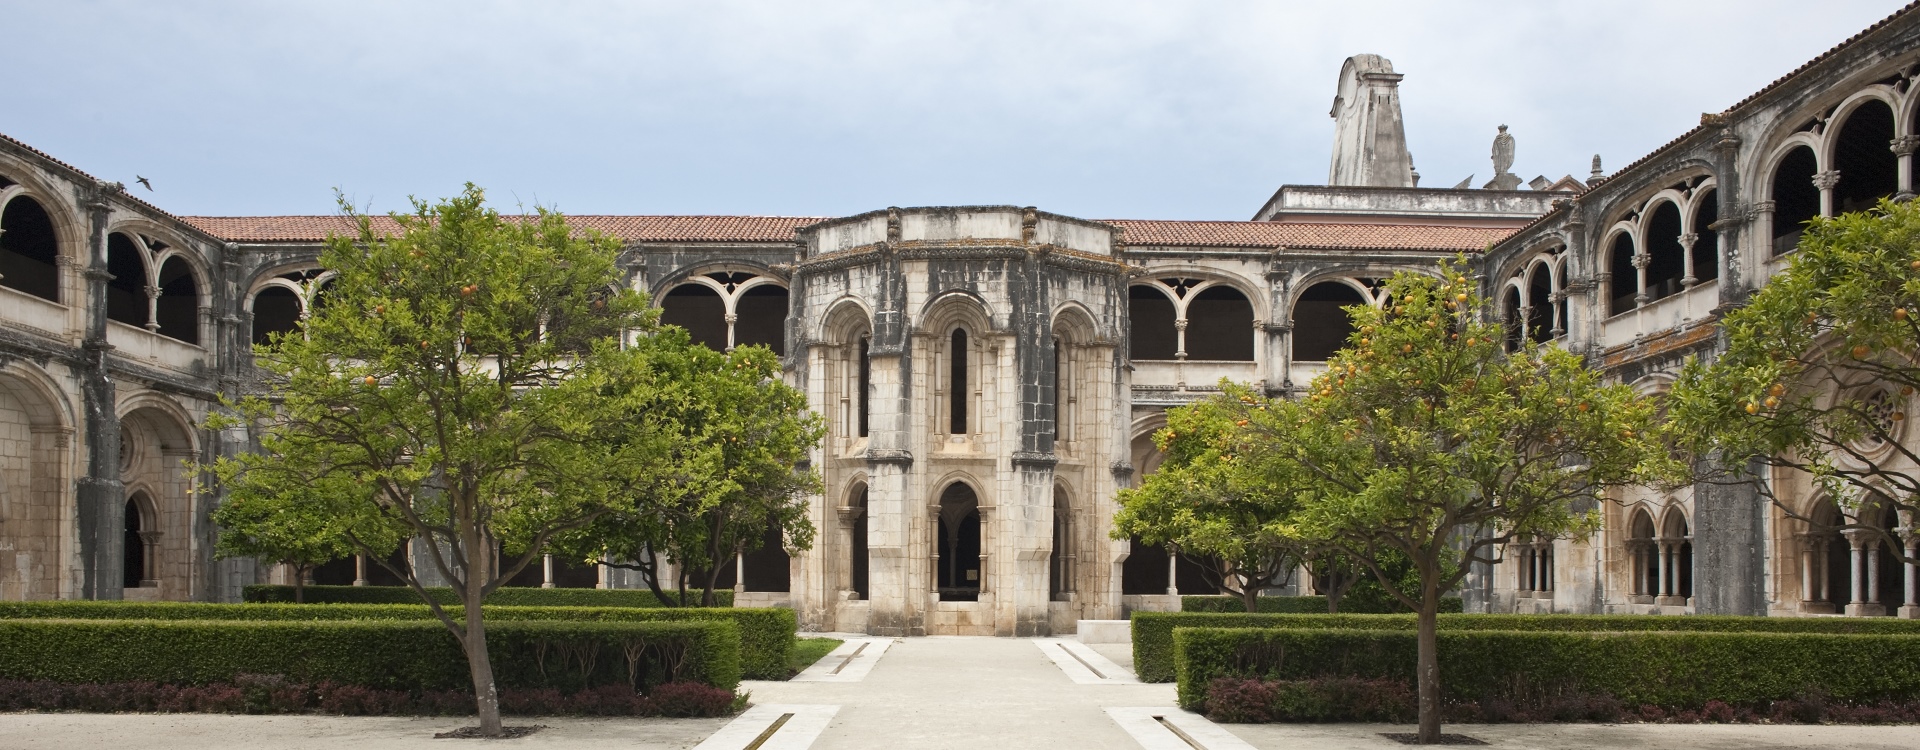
(1644, 555)
(1320, 324)
(769, 567)
(127, 292)
(960, 573)
(1060, 560)
(857, 555)
(1623, 279)
(762, 318)
(134, 552)
(865, 385)
(1869, 170)
(1145, 572)
(178, 308)
(1666, 260)
(1706, 243)
(276, 310)
(1795, 198)
(957, 384)
(1151, 312)
(1540, 304)
(1515, 328)
(699, 309)
(340, 572)
(1220, 325)
(28, 250)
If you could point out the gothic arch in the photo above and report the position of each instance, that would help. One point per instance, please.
(1320, 324)
(30, 245)
(956, 307)
(1868, 95)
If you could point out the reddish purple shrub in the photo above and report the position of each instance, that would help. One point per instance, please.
(690, 699)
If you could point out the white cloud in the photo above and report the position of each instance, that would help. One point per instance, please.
(1102, 109)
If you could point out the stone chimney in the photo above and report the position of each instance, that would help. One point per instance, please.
(1369, 139)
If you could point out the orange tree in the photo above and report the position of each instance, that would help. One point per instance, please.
(456, 388)
(1429, 442)
(1215, 496)
(1819, 372)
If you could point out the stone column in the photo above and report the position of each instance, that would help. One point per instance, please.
(1862, 605)
(1729, 543)
(359, 570)
(1807, 544)
(1665, 552)
(153, 309)
(546, 571)
(1909, 605)
(1640, 262)
(1687, 278)
(1903, 147)
(101, 516)
(1173, 572)
(1826, 181)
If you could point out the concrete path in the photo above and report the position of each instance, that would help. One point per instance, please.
(967, 694)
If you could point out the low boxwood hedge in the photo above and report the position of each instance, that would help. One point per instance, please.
(1660, 668)
(1302, 605)
(393, 654)
(1153, 631)
(766, 635)
(513, 596)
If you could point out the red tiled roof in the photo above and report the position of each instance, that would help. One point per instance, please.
(629, 228)
(1306, 235)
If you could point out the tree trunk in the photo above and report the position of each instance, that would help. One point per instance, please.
(299, 584)
(652, 572)
(1250, 594)
(486, 697)
(1429, 669)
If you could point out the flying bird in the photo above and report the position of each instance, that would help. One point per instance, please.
(143, 182)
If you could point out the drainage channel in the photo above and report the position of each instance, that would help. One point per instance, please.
(1173, 729)
(1084, 665)
(849, 663)
(772, 726)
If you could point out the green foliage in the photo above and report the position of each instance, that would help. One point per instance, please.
(806, 651)
(1153, 631)
(765, 635)
(1807, 359)
(517, 596)
(1213, 497)
(1308, 605)
(407, 655)
(1661, 668)
(726, 472)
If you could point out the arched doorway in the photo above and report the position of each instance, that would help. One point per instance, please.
(857, 567)
(1060, 560)
(960, 570)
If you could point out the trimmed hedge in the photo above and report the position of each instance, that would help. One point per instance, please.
(1304, 605)
(1153, 631)
(512, 596)
(393, 655)
(766, 635)
(1672, 669)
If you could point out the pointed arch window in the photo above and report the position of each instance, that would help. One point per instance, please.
(957, 385)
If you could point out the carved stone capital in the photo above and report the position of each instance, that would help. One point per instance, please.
(1121, 469)
(1826, 180)
(1904, 145)
(1687, 240)
(1641, 260)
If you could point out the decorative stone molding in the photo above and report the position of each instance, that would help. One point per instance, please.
(1904, 145)
(1035, 459)
(1826, 180)
(899, 456)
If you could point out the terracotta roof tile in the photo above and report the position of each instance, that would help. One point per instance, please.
(1309, 235)
(629, 228)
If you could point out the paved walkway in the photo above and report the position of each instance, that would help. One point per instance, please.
(931, 693)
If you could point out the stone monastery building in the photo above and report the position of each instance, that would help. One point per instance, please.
(990, 375)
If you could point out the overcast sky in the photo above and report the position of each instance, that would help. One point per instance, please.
(1100, 109)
